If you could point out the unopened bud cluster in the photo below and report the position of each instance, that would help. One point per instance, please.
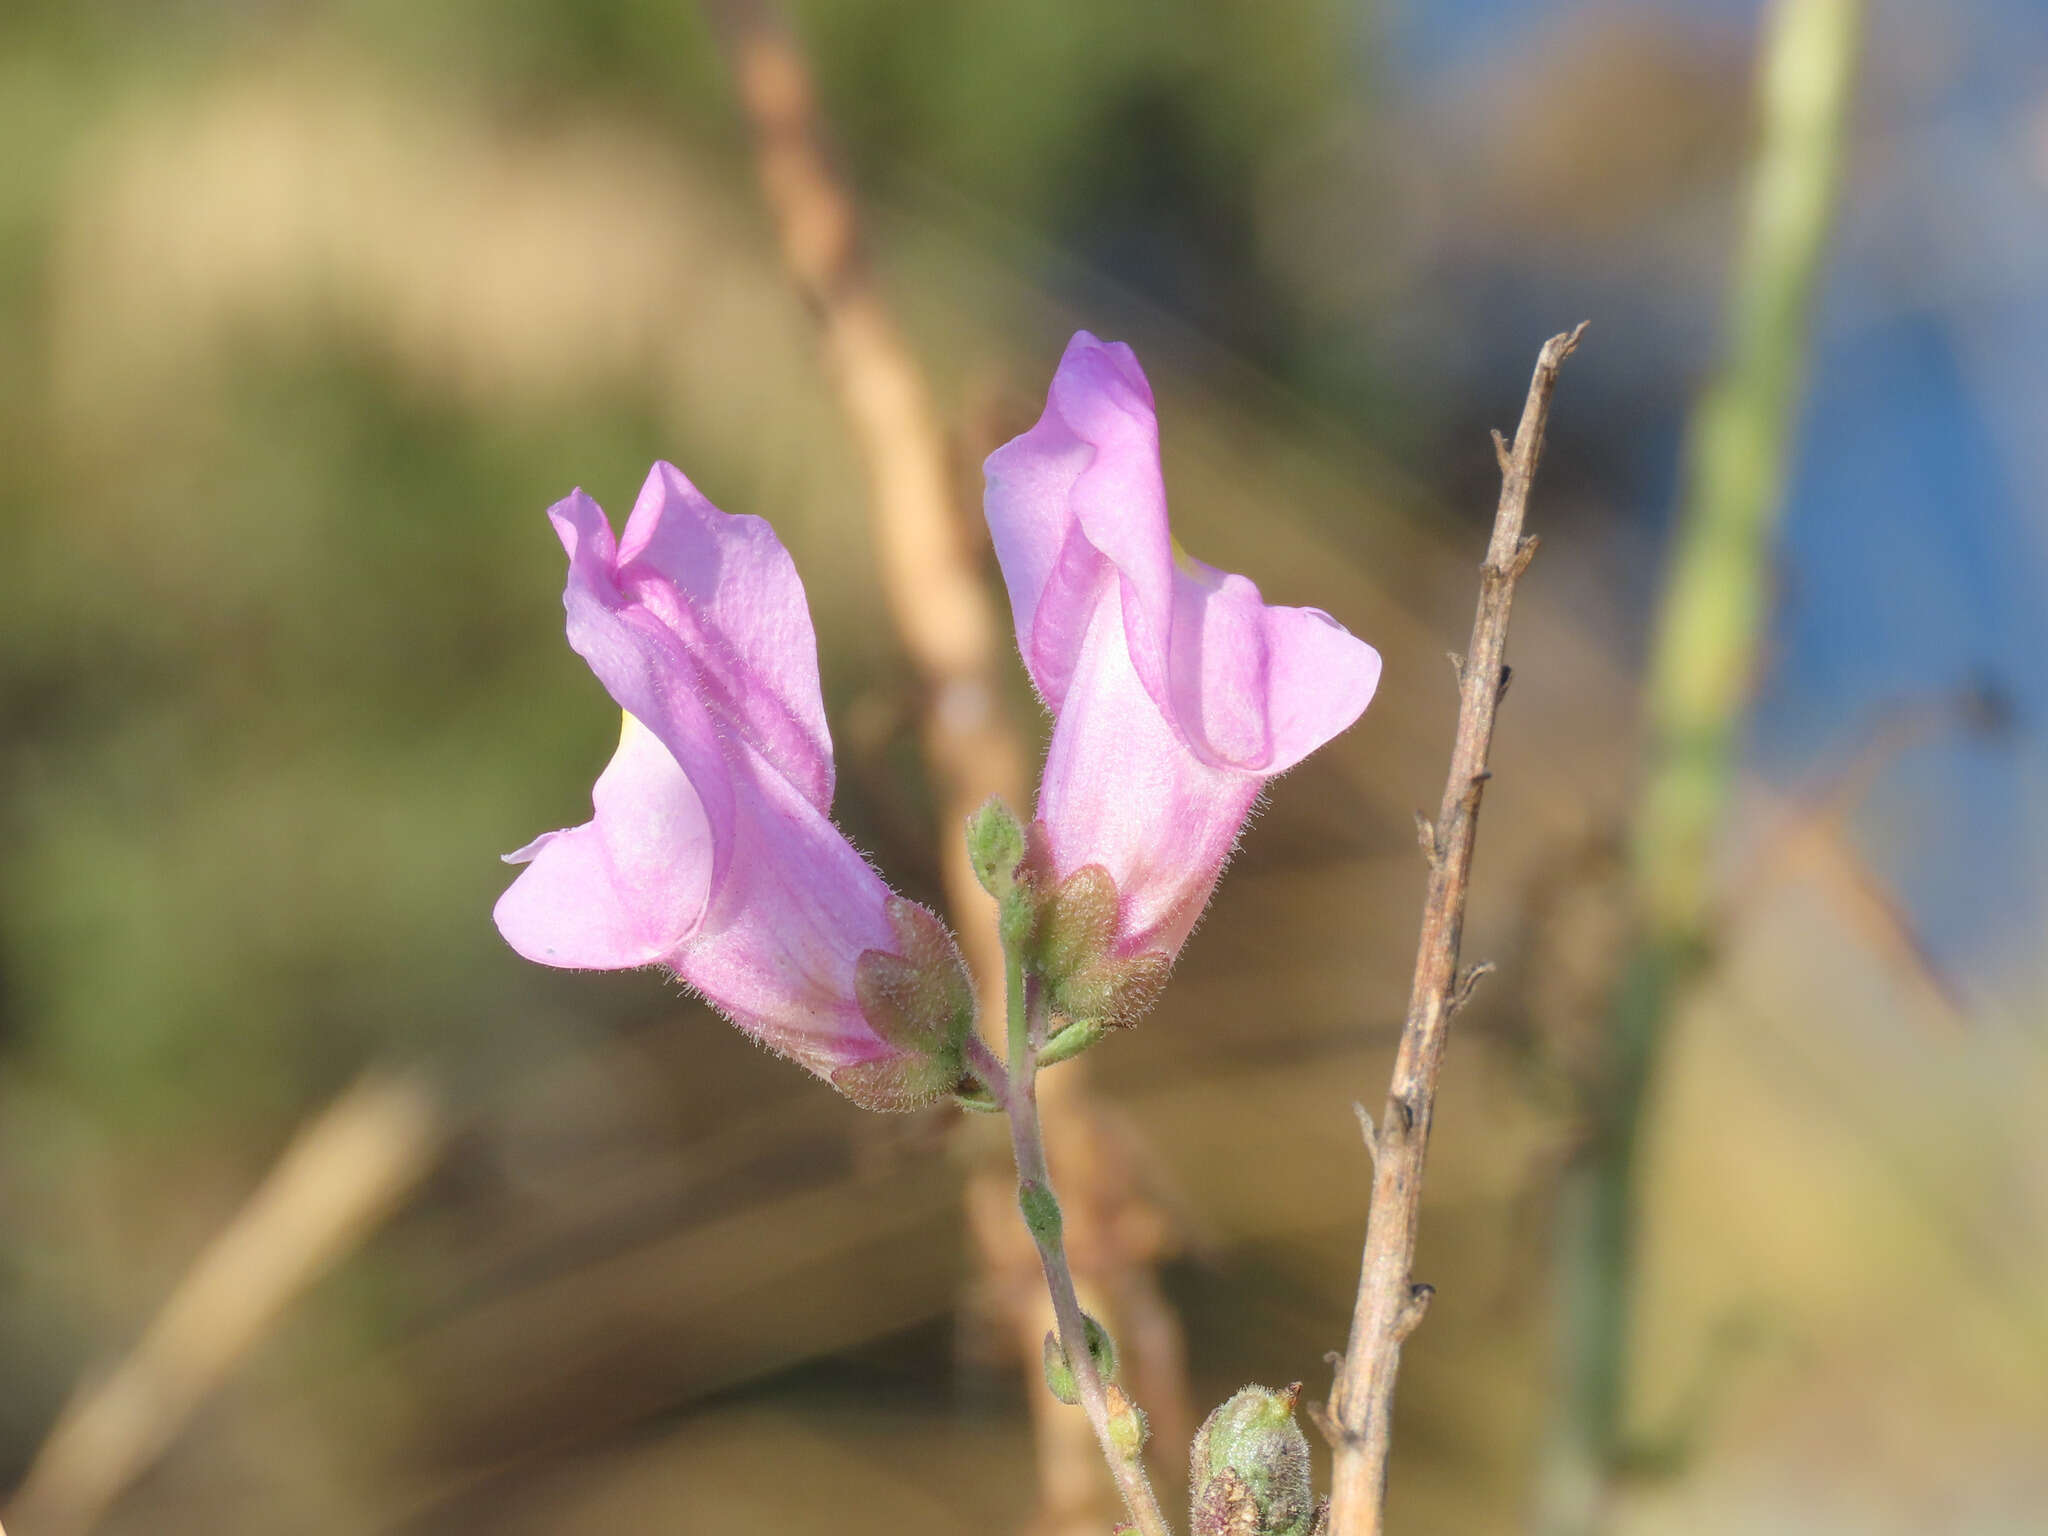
(1250, 1471)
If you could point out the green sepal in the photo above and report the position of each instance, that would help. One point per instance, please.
(1070, 1042)
(1113, 994)
(1078, 924)
(894, 1084)
(1085, 979)
(918, 999)
(978, 1100)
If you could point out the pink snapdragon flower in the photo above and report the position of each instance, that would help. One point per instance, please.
(711, 851)
(1176, 691)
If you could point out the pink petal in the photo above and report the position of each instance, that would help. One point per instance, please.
(1257, 687)
(1177, 690)
(1319, 678)
(627, 886)
(726, 585)
(711, 850)
(1079, 494)
(643, 664)
(777, 949)
(1122, 790)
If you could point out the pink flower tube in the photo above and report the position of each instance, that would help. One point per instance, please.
(711, 851)
(1176, 691)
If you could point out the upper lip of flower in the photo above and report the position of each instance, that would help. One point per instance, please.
(696, 624)
(707, 690)
(1077, 507)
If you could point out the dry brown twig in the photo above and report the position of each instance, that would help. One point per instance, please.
(956, 640)
(341, 1176)
(941, 608)
(1359, 1419)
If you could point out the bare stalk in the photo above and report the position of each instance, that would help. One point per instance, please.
(1390, 1304)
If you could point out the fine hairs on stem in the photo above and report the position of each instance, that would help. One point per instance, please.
(1015, 1089)
(1359, 1419)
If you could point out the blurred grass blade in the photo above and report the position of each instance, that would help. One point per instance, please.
(342, 1175)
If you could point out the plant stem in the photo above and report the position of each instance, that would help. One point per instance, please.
(930, 559)
(1700, 677)
(1019, 1093)
(1359, 1421)
(1020, 995)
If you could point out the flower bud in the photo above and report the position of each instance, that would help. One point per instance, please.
(1250, 1470)
(1059, 1370)
(1127, 1427)
(1041, 1209)
(995, 847)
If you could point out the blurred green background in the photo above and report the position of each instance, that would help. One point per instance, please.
(308, 312)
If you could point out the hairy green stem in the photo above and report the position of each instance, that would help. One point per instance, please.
(1020, 993)
(1700, 675)
(1018, 1091)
